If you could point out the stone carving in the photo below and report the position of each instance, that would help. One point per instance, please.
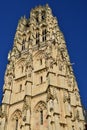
(25, 108)
(69, 69)
(66, 100)
(66, 97)
(29, 65)
(16, 114)
(8, 81)
(22, 24)
(70, 81)
(40, 106)
(55, 94)
(77, 96)
(61, 65)
(64, 54)
(3, 113)
(15, 51)
(10, 69)
(49, 49)
(77, 115)
(49, 95)
(50, 61)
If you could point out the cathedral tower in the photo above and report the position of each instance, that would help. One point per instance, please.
(40, 90)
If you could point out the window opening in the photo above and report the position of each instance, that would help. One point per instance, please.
(44, 32)
(73, 128)
(40, 61)
(41, 117)
(37, 38)
(23, 45)
(16, 124)
(37, 19)
(29, 39)
(41, 79)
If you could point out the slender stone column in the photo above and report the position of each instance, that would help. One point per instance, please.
(56, 115)
(49, 116)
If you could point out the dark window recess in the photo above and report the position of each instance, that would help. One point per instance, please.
(16, 128)
(41, 117)
(37, 38)
(40, 61)
(41, 79)
(37, 19)
(23, 45)
(29, 39)
(44, 33)
(27, 25)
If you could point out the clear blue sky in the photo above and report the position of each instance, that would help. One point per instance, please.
(72, 19)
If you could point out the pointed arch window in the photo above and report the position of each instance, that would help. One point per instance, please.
(44, 33)
(37, 38)
(23, 45)
(16, 119)
(41, 117)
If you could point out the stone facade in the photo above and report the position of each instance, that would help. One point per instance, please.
(40, 89)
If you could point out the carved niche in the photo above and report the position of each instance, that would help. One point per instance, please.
(70, 81)
(67, 102)
(26, 107)
(66, 97)
(49, 95)
(29, 65)
(77, 96)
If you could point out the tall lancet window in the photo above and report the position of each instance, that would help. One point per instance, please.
(16, 127)
(23, 45)
(41, 117)
(44, 33)
(37, 38)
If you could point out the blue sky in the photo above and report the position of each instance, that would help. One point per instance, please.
(72, 19)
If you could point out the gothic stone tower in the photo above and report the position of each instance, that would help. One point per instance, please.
(40, 89)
